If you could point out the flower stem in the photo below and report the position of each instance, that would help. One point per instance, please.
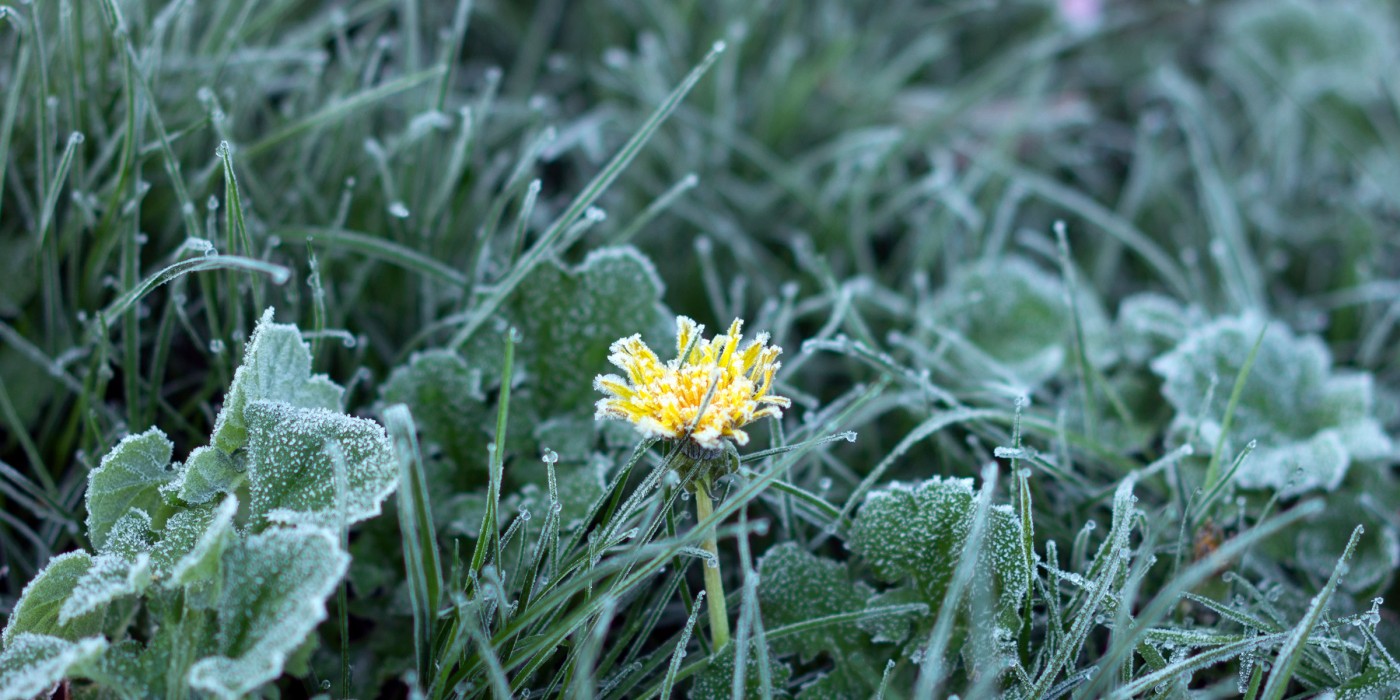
(714, 585)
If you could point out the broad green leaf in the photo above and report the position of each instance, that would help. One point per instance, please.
(193, 542)
(569, 316)
(917, 533)
(273, 595)
(110, 577)
(124, 670)
(1307, 423)
(276, 367)
(208, 472)
(33, 663)
(39, 604)
(293, 475)
(717, 679)
(130, 476)
(1151, 324)
(449, 407)
(796, 586)
(1017, 320)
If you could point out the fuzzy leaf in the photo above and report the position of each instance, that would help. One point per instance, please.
(38, 608)
(33, 663)
(193, 542)
(569, 316)
(918, 533)
(1308, 423)
(449, 407)
(796, 586)
(111, 576)
(293, 476)
(276, 367)
(717, 680)
(130, 476)
(273, 595)
(208, 472)
(1018, 320)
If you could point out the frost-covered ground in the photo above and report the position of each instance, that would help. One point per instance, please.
(1088, 313)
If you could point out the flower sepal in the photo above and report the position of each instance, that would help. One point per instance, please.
(698, 464)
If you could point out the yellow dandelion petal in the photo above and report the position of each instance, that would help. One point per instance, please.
(707, 395)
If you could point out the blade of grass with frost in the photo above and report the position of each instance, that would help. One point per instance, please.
(931, 670)
(489, 535)
(342, 108)
(585, 199)
(1286, 664)
(108, 316)
(377, 248)
(416, 528)
(1169, 595)
(1213, 469)
(56, 186)
(584, 667)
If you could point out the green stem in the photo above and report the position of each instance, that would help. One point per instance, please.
(714, 585)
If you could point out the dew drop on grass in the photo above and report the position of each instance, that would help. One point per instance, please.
(216, 346)
(824, 484)
(325, 685)
(398, 210)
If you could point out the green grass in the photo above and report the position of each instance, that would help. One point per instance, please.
(1147, 269)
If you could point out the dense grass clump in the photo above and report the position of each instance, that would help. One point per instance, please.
(1090, 382)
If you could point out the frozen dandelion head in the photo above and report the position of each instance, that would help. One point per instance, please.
(707, 394)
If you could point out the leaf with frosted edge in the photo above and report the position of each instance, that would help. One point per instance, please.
(796, 586)
(111, 576)
(1015, 314)
(208, 472)
(130, 536)
(717, 679)
(38, 606)
(445, 396)
(130, 476)
(33, 663)
(292, 475)
(1308, 423)
(274, 590)
(276, 367)
(918, 532)
(193, 542)
(569, 316)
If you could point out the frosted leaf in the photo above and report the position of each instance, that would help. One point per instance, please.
(131, 535)
(208, 472)
(717, 680)
(795, 586)
(273, 595)
(111, 576)
(276, 367)
(130, 476)
(918, 533)
(292, 475)
(569, 316)
(448, 405)
(38, 606)
(33, 663)
(193, 542)
(1150, 324)
(1017, 315)
(1309, 423)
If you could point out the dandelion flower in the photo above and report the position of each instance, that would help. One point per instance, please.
(666, 400)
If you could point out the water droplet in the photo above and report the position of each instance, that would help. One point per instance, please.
(326, 684)
(824, 484)
(550, 456)
(216, 346)
(398, 210)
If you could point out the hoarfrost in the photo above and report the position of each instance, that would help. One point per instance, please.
(33, 663)
(293, 477)
(38, 606)
(276, 367)
(130, 476)
(1309, 423)
(273, 595)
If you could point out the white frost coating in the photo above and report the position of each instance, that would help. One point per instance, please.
(1309, 422)
(277, 367)
(293, 477)
(112, 576)
(209, 542)
(274, 589)
(129, 476)
(39, 602)
(33, 663)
